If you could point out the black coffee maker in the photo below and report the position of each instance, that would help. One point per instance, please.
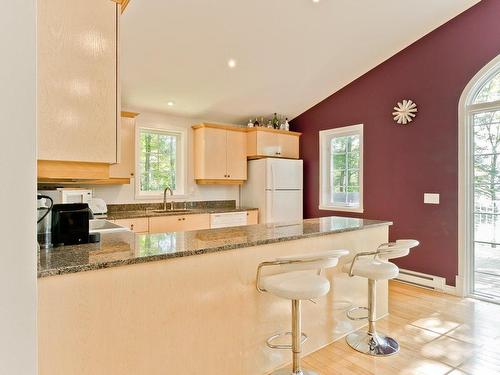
(70, 224)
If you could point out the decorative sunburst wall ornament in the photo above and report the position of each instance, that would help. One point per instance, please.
(405, 112)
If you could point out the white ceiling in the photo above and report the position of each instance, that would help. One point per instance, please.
(290, 54)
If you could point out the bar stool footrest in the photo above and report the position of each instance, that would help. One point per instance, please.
(350, 311)
(283, 346)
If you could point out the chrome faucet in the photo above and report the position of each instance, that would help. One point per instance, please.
(165, 198)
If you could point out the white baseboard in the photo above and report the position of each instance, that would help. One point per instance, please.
(429, 282)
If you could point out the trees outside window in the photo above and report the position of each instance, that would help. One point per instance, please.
(159, 161)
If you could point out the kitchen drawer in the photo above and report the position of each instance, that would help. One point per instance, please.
(139, 225)
(178, 223)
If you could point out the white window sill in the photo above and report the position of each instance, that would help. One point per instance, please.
(342, 209)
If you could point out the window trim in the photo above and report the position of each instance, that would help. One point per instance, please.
(181, 179)
(324, 166)
(466, 109)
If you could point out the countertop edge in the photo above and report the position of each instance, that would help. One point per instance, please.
(159, 257)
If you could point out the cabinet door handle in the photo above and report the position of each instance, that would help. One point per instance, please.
(131, 226)
(228, 175)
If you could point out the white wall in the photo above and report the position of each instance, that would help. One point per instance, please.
(126, 193)
(18, 189)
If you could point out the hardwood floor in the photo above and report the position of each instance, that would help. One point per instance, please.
(438, 334)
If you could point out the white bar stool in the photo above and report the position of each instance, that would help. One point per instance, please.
(296, 282)
(375, 266)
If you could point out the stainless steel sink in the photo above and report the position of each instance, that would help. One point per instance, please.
(173, 211)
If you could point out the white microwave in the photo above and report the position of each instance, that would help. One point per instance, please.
(67, 195)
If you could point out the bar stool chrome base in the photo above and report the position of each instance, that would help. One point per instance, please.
(373, 344)
(290, 372)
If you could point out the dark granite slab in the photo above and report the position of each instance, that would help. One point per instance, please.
(128, 248)
(177, 204)
(149, 212)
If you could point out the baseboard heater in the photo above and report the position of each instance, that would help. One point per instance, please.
(422, 280)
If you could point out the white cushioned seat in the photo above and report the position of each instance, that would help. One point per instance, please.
(297, 285)
(398, 249)
(325, 259)
(373, 269)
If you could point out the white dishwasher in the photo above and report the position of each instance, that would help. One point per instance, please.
(228, 219)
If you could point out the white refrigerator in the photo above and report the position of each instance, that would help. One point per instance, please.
(274, 186)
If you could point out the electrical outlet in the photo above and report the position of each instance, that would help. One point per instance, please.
(431, 198)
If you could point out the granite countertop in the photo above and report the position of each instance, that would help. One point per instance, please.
(125, 248)
(148, 212)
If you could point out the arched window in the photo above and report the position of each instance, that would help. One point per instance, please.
(480, 183)
(490, 91)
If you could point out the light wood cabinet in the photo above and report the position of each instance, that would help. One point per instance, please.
(219, 154)
(137, 225)
(236, 161)
(253, 217)
(77, 88)
(178, 223)
(126, 165)
(263, 142)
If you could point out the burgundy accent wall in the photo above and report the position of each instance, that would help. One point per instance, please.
(403, 162)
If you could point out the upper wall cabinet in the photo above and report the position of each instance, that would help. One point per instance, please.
(126, 166)
(264, 142)
(220, 154)
(77, 88)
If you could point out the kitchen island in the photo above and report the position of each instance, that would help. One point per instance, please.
(186, 302)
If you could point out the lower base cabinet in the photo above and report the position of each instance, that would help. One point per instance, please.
(138, 225)
(253, 217)
(178, 223)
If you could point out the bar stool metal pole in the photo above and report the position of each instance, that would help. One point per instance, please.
(296, 335)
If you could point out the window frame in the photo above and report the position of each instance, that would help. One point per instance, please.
(325, 187)
(181, 161)
(466, 109)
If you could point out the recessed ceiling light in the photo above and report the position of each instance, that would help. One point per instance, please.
(170, 103)
(315, 1)
(231, 63)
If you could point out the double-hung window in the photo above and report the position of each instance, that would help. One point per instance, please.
(341, 169)
(160, 163)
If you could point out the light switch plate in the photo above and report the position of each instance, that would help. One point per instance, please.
(431, 198)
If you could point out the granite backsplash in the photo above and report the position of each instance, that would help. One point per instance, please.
(229, 204)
